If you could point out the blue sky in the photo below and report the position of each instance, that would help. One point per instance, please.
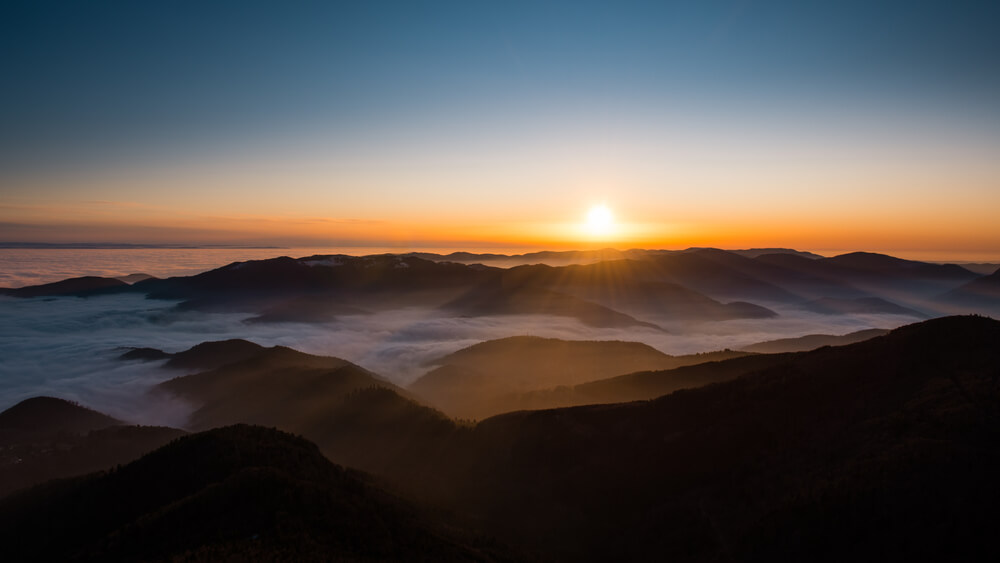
(93, 87)
(84, 77)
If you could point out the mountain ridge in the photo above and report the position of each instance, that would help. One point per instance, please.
(652, 287)
(795, 456)
(237, 492)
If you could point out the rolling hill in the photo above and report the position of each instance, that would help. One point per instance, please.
(979, 295)
(496, 298)
(610, 288)
(860, 306)
(811, 342)
(354, 415)
(49, 415)
(906, 282)
(880, 449)
(45, 438)
(494, 376)
(234, 493)
(268, 386)
(85, 286)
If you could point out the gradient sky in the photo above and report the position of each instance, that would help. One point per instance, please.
(817, 125)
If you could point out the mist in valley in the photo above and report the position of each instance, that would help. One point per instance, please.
(70, 347)
(548, 406)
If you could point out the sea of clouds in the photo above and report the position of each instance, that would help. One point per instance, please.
(69, 347)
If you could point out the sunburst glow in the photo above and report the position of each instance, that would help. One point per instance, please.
(600, 221)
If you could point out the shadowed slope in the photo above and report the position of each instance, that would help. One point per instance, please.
(802, 459)
(681, 285)
(637, 287)
(982, 294)
(498, 298)
(811, 342)
(645, 385)
(881, 264)
(236, 493)
(23, 464)
(210, 355)
(44, 438)
(207, 355)
(77, 287)
(355, 416)
(721, 269)
(49, 415)
(860, 306)
(712, 273)
(322, 288)
(282, 289)
(877, 275)
(274, 387)
(551, 361)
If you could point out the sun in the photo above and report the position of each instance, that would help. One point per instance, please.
(600, 221)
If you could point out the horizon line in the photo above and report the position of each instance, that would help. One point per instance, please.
(511, 251)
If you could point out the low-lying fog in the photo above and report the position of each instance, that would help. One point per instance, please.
(69, 347)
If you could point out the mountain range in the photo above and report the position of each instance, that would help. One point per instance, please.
(631, 289)
(879, 449)
(236, 493)
(871, 444)
(531, 372)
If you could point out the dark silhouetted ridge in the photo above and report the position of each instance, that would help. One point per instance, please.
(235, 493)
(883, 264)
(757, 252)
(884, 447)
(75, 287)
(27, 460)
(637, 287)
(49, 414)
(145, 354)
(213, 355)
(497, 298)
(45, 438)
(210, 355)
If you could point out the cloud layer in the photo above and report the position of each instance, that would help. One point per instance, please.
(69, 347)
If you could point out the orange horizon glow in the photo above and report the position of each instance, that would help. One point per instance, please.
(214, 206)
(945, 242)
(685, 144)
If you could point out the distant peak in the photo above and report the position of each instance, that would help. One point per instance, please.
(81, 286)
(210, 355)
(866, 257)
(41, 414)
(230, 344)
(948, 332)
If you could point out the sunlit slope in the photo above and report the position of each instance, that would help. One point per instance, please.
(523, 371)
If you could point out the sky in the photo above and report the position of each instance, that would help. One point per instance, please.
(847, 125)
